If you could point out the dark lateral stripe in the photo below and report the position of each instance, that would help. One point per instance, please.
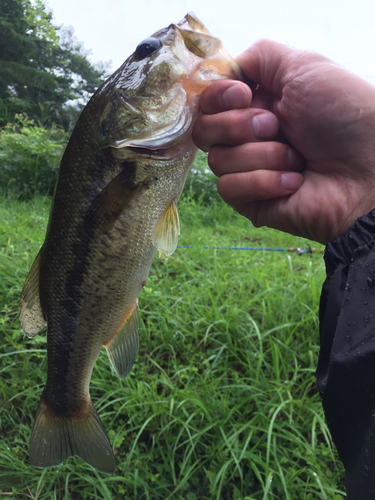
(101, 214)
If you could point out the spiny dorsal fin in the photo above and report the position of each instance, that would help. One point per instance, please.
(122, 350)
(165, 237)
(31, 314)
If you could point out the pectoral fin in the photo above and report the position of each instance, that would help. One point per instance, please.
(166, 234)
(31, 314)
(111, 202)
(122, 350)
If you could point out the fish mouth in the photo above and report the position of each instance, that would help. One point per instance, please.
(149, 152)
(168, 151)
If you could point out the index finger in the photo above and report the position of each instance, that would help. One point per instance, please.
(224, 95)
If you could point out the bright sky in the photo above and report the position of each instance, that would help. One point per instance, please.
(343, 30)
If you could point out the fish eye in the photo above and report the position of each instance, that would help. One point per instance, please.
(146, 48)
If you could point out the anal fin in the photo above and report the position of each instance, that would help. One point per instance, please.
(165, 237)
(31, 314)
(122, 349)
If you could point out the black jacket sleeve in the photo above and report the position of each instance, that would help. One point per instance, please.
(346, 368)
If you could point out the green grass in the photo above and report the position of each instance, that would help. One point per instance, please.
(222, 400)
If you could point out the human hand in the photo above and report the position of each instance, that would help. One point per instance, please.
(299, 154)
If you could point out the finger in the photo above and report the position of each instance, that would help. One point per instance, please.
(240, 188)
(234, 127)
(254, 156)
(224, 95)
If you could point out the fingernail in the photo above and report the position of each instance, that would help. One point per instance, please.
(291, 181)
(265, 125)
(236, 97)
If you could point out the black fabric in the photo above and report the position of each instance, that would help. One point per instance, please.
(346, 368)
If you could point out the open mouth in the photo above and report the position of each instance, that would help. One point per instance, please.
(149, 152)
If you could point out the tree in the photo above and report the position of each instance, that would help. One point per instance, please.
(41, 67)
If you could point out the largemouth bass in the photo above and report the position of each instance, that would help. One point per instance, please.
(114, 205)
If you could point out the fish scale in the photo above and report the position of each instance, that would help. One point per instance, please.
(114, 206)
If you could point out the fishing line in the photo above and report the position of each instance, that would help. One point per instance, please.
(299, 251)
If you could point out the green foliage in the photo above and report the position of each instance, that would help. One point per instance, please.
(222, 400)
(201, 183)
(40, 64)
(30, 157)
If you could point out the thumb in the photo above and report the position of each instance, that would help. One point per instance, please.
(273, 64)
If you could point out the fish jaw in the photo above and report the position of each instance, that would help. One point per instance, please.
(182, 111)
(153, 103)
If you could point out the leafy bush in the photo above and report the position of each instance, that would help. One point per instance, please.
(201, 183)
(30, 157)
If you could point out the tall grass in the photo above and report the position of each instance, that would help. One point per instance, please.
(222, 401)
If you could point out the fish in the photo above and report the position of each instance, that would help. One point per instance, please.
(114, 206)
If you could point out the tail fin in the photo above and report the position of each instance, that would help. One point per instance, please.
(56, 438)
